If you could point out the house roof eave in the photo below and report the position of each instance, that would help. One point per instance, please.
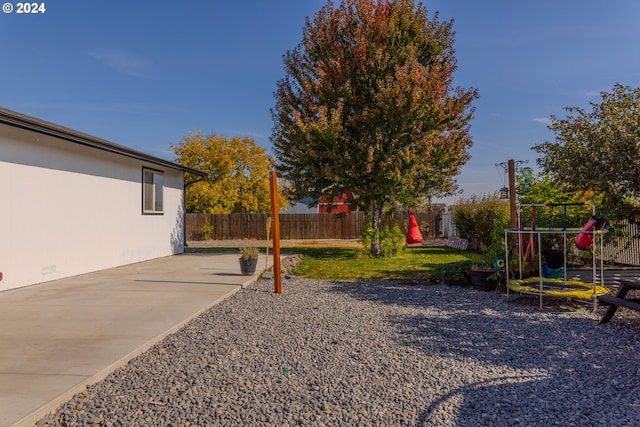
(22, 121)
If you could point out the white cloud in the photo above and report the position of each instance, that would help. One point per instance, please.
(593, 94)
(544, 120)
(122, 62)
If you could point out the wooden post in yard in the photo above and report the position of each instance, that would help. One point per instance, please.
(512, 193)
(277, 279)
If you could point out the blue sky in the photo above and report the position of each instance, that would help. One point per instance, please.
(144, 73)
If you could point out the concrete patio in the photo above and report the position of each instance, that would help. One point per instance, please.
(58, 337)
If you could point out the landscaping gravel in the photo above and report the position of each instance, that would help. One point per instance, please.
(375, 353)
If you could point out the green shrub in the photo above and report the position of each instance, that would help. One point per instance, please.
(453, 273)
(206, 230)
(366, 236)
(496, 248)
(392, 240)
(480, 217)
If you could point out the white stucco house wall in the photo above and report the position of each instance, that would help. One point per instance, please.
(71, 203)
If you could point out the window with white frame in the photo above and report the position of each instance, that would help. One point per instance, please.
(152, 188)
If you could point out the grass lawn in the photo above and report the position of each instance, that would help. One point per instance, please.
(346, 263)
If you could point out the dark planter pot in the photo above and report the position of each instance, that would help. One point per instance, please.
(479, 280)
(474, 243)
(554, 259)
(248, 266)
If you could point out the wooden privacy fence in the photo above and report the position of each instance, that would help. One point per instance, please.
(341, 226)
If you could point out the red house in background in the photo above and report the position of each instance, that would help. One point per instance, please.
(339, 205)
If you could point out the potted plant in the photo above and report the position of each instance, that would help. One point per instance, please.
(488, 274)
(248, 260)
(483, 276)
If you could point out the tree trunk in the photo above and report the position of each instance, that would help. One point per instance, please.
(376, 219)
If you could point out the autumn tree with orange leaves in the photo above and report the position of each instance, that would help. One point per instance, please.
(368, 104)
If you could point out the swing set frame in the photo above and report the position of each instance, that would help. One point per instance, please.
(524, 243)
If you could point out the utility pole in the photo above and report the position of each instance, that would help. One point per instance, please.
(512, 193)
(510, 167)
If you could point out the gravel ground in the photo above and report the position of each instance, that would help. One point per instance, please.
(375, 353)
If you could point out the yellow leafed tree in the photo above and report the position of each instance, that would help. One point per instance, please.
(237, 171)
